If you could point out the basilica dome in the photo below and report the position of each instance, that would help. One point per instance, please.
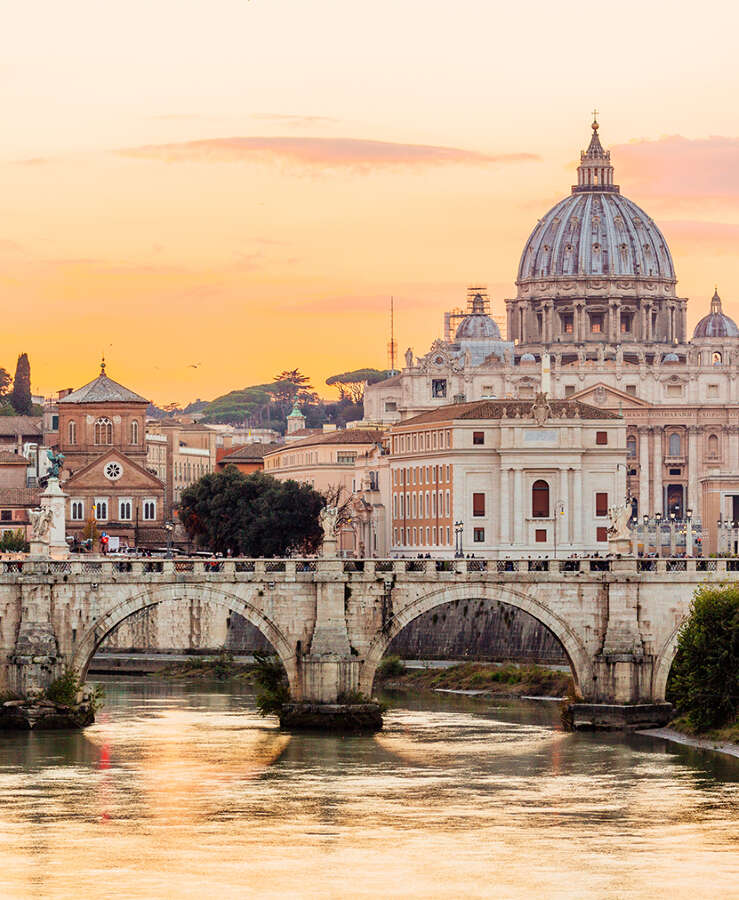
(477, 326)
(596, 231)
(716, 324)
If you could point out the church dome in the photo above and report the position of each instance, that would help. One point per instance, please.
(528, 358)
(596, 232)
(716, 324)
(477, 326)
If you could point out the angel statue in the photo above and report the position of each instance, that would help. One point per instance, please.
(56, 460)
(327, 519)
(620, 517)
(41, 522)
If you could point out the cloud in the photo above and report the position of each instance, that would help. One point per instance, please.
(680, 169)
(295, 121)
(711, 238)
(325, 153)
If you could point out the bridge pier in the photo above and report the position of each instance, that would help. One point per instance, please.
(34, 662)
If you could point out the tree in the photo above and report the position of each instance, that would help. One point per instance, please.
(5, 381)
(704, 681)
(252, 515)
(351, 385)
(20, 396)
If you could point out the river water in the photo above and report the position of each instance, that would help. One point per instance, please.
(184, 791)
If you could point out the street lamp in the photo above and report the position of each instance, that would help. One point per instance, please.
(169, 526)
(672, 534)
(689, 536)
(458, 529)
(658, 533)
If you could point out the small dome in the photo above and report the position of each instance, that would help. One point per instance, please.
(528, 358)
(477, 327)
(671, 358)
(716, 324)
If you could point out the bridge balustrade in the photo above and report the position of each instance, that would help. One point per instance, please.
(477, 565)
(569, 565)
(304, 565)
(646, 565)
(600, 565)
(506, 565)
(676, 565)
(274, 565)
(705, 565)
(415, 565)
(538, 565)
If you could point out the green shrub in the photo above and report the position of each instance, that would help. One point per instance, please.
(223, 665)
(271, 681)
(390, 667)
(14, 542)
(704, 680)
(65, 688)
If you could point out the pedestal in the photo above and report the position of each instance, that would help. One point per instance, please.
(54, 498)
(620, 546)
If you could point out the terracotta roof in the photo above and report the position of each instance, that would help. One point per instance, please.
(8, 459)
(252, 451)
(21, 425)
(392, 379)
(509, 409)
(102, 390)
(29, 497)
(344, 436)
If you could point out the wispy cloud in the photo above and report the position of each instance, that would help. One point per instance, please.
(680, 169)
(295, 121)
(356, 154)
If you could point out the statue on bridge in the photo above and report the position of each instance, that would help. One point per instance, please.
(619, 533)
(41, 522)
(56, 460)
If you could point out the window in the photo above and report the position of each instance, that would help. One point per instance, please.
(395, 535)
(674, 390)
(446, 504)
(343, 458)
(103, 431)
(673, 445)
(631, 447)
(713, 390)
(596, 323)
(601, 504)
(569, 390)
(478, 437)
(567, 323)
(150, 510)
(478, 504)
(601, 437)
(391, 406)
(101, 509)
(124, 510)
(540, 535)
(625, 324)
(72, 432)
(438, 388)
(713, 446)
(6, 515)
(631, 389)
(77, 510)
(55, 422)
(540, 500)
(601, 534)
(134, 432)
(395, 506)
(448, 535)
(415, 537)
(478, 535)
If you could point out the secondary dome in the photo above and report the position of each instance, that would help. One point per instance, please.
(716, 324)
(477, 326)
(596, 231)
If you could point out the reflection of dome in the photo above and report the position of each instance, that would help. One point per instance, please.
(716, 324)
(596, 231)
(528, 358)
(477, 326)
(671, 358)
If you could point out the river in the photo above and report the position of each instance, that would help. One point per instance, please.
(184, 791)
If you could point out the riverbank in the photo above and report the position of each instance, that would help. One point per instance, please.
(484, 679)
(714, 740)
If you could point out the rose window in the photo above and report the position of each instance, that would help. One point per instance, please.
(113, 471)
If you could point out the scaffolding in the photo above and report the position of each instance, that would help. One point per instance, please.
(453, 317)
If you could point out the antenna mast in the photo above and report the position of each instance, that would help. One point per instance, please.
(391, 347)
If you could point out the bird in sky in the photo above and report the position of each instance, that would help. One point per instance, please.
(194, 365)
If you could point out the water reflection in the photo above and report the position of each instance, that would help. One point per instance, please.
(181, 788)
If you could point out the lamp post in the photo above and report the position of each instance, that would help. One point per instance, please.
(658, 533)
(645, 534)
(689, 535)
(169, 526)
(458, 529)
(672, 534)
(559, 513)
(718, 536)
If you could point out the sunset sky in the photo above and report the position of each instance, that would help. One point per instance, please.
(240, 185)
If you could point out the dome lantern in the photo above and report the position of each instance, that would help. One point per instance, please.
(595, 172)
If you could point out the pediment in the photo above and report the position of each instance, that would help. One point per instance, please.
(608, 397)
(132, 475)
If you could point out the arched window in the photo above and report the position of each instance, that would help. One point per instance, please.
(72, 429)
(631, 447)
(674, 445)
(134, 432)
(713, 446)
(540, 499)
(103, 431)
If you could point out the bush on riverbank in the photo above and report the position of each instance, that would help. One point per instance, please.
(390, 667)
(272, 688)
(704, 680)
(509, 679)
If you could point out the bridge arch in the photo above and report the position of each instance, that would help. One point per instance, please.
(575, 650)
(665, 658)
(156, 594)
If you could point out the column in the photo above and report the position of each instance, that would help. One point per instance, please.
(578, 322)
(693, 432)
(505, 507)
(578, 505)
(563, 527)
(657, 462)
(616, 322)
(520, 507)
(733, 448)
(645, 506)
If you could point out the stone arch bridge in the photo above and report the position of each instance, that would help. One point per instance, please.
(331, 620)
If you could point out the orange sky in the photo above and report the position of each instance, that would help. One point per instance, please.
(241, 185)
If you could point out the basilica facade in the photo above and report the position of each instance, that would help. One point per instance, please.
(596, 318)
